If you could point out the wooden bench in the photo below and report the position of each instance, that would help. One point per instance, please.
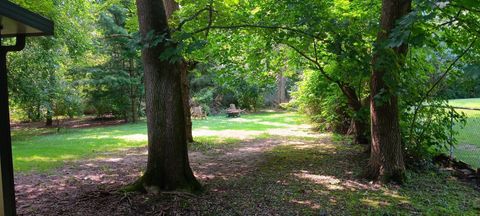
(233, 112)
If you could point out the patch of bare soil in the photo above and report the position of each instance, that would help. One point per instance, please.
(72, 123)
(91, 187)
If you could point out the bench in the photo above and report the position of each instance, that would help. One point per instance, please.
(233, 112)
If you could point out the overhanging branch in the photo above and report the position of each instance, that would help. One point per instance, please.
(316, 63)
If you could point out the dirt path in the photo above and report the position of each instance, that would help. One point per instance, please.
(282, 176)
(90, 187)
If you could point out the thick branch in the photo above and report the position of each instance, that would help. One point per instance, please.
(194, 16)
(208, 28)
(450, 67)
(316, 63)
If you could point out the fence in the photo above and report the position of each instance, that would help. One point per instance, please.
(468, 148)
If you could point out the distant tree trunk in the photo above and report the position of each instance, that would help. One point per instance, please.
(49, 121)
(133, 95)
(170, 7)
(386, 160)
(281, 88)
(168, 166)
(358, 126)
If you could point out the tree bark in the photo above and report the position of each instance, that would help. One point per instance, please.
(168, 165)
(359, 126)
(186, 102)
(386, 159)
(133, 96)
(281, 87)
(49, 119)
(170, 7)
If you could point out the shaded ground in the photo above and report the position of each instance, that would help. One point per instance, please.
(263, 164)
(91, 186)
(71, 123)
(282, 176)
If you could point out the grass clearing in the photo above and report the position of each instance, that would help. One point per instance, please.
(43, 148)
(279, 170)
(468, 149)
(467, 103)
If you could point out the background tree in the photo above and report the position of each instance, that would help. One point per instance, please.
(310, 29)
(115, 85)
(42, 86)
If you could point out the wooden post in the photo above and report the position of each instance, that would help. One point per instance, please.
(7, 193)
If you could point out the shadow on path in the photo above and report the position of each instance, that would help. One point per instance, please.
(282, 176)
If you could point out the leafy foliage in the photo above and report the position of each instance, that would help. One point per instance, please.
(115, 85)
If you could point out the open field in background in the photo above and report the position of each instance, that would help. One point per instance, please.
(467, 103)
(468, 149)
(44, 148)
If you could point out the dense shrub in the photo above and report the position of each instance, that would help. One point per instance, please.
(322, 101)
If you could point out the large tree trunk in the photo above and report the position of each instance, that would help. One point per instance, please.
(170, 7)
(168, 166)
(186, 102)
(386, 160)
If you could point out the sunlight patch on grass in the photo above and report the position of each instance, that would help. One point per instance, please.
(308, 203)
(467, 103)
(36, 158)
(330, 182)
(238, 134)
(135, 137)
(53, 148)
(374, 203)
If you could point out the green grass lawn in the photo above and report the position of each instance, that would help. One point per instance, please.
(468, 149)
(467, 103)
(43, 149)
(303, 176)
